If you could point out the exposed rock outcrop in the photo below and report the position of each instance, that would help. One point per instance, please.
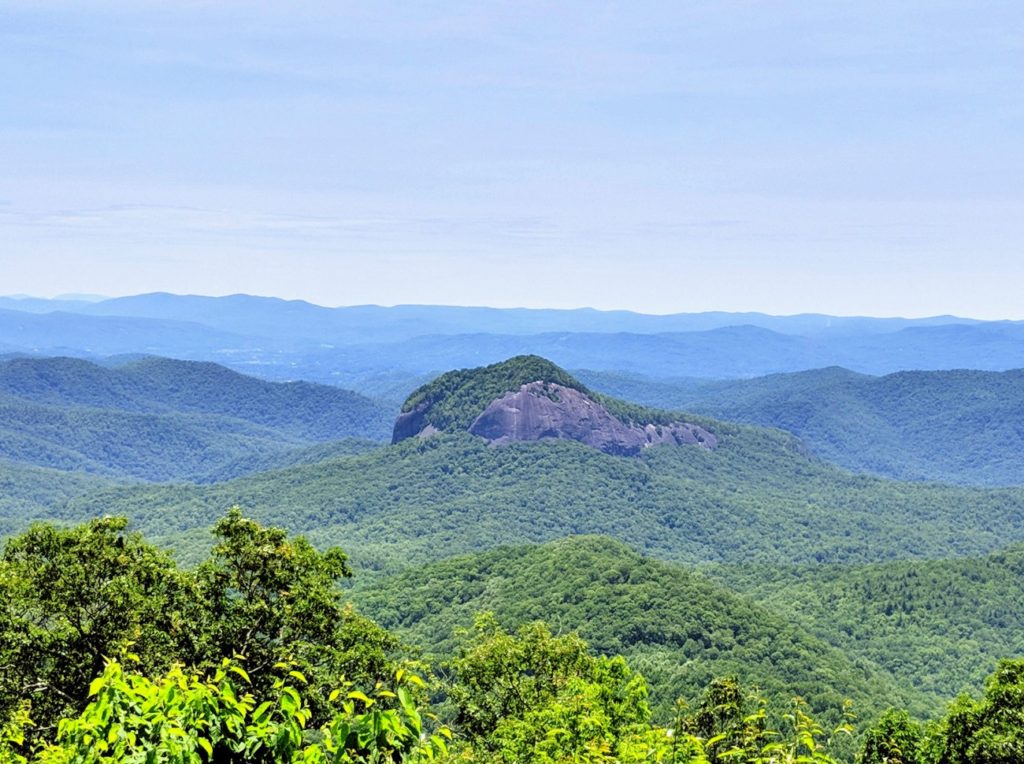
(539, 411)
(529, 398)
(411, 424)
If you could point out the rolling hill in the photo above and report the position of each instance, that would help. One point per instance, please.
(941, 625)
(755, 496)
(160, 419)
(955, 426)
(679, 629)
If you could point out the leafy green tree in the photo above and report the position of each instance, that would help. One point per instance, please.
(730, 720)
(535, 697)
(184, 718)
(274, 599)
(985, 731)
(71, 596)
(894, 739)
(260, 589)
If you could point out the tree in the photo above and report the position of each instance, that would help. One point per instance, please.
(535, 697)
(985, 731)
(182, 717)
(272, 599)
(729, 719)
(72, 597)
(69, 597)
(894, 739)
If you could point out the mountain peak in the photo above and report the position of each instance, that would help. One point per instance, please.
(529, 398)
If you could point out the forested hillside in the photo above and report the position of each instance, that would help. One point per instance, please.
(162, 385)
(678, 629)
(941, 625)
(757, 496)
(954, 426)
(32, 493)
(161, 420)
(254, 657)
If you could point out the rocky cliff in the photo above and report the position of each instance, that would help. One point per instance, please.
(529, 398)
(539, 411)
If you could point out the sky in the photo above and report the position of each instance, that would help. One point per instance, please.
(838, 157)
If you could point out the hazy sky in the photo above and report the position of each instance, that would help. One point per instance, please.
(843, 157)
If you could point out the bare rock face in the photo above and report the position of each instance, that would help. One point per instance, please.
(412, 424)
(539, 411)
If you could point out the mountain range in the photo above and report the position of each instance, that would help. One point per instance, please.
(365, 345)
(757, 495)
(746, 552)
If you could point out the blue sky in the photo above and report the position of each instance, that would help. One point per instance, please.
(659, 156)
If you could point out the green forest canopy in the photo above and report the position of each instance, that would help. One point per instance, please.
(239, 659)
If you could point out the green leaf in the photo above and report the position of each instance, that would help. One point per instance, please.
(357, 695)
(261, 709)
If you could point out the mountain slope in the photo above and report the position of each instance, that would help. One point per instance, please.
(529, 398)
(123, 444)
(957, 426)
(164, 385)
(30, 493)
(677, 628)
(941, 625)
(160, 419)
(755, 497)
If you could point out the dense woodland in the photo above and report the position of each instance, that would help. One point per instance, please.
(939, 624)
(156, 419)
(956, 426)
(253, 656)
(536, 602)
(757, 497)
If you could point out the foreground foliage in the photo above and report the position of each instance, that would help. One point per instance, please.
(528, 698)
(69, 598)
(254, 657)
(183, 718)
